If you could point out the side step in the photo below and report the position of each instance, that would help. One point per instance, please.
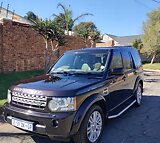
(116, 115)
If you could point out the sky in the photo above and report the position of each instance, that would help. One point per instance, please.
(116, 17)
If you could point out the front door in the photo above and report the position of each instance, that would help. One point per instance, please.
(118, 83)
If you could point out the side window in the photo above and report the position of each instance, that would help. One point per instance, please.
(136, 58)
(127, 61)
(116, 60)
(132, 61)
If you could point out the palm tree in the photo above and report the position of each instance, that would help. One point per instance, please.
(66, 19)
(50, 31)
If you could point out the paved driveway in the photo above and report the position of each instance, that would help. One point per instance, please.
(137, 125)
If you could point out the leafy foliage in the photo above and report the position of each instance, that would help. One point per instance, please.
(138, 44)
(88, 31)
(31, 16)
(151, 37)
(94, 36)
(49, 29)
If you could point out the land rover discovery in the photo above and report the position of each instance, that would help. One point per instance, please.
(80, 91)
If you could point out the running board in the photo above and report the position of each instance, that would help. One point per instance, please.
(114, 116)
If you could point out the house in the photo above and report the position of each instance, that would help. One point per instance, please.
(7, 14)
(112, 40)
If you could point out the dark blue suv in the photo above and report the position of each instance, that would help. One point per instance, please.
(79, 92)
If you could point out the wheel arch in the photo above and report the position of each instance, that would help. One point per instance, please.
(138, 81)
(141, 82)
(95, 99)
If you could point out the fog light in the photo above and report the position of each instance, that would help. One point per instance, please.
(55, 123)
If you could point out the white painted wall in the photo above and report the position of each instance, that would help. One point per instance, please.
(17, 18)
(106, 38)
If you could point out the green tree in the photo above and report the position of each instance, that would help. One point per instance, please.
(88, 31)
(138, 44)
(65, 19)
(51, 33)
(94, 36)
(31, 16)
(151, 37)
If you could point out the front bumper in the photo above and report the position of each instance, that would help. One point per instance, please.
(43, 123)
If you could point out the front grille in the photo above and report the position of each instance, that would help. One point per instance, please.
(37, 101)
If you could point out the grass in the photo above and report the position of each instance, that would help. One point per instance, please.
(2, 102)
(154, 66)
(7, 79)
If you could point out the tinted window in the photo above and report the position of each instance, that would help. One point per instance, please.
(116, 60)
(136, 58)
(127, 62)
(81, 62)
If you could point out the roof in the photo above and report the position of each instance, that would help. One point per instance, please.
(122, 40)
(99, 49)
(112, 36)
(126, 40)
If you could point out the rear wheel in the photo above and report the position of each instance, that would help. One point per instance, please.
(138, 95)
(91, 127)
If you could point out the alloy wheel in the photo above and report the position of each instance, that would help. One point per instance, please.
(94, 126)
(139, 95)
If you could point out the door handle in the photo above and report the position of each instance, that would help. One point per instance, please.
(106, 91)
(111, 82)
(136, 72)
(124, 77)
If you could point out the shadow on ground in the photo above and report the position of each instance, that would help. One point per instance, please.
(43, 140)
(137, 125)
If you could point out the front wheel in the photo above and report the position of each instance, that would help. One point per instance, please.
(91, 127)
(138, 95)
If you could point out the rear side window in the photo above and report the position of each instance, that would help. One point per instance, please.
(127, 61)
(136, 58)
(116, 60)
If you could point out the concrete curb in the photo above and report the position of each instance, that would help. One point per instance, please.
(151, 70)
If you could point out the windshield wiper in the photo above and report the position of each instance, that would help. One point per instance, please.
(62, 72)
(72, 73)
(83, 73)
(88, 73)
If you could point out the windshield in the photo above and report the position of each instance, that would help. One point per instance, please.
(80, 63)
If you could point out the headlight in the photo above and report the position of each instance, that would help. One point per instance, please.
(9, 96)
(62, 104)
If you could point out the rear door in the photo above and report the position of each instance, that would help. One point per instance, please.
(129, 73)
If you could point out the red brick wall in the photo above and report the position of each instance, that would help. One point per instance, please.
(107, 44)
(23, 49)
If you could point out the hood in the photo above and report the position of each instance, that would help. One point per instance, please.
(55, 85)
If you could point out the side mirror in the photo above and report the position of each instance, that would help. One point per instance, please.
(117, 71)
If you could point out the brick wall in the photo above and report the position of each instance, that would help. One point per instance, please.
(106, 44)
(21, 48)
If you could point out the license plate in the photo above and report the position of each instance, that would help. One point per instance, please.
(22, 124)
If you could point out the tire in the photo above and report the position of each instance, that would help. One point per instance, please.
(138, 95)
(94, 128)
